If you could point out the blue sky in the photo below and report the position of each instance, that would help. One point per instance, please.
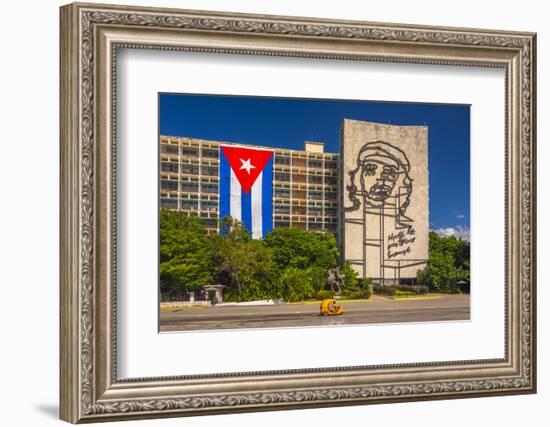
(288, 122)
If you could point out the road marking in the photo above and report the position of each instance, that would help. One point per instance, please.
(415, 298)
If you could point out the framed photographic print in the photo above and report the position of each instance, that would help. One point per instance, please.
(271, 235)
(264, 212)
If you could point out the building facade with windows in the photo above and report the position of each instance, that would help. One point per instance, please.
(305, 183)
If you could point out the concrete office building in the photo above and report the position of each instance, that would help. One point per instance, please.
(384, 227)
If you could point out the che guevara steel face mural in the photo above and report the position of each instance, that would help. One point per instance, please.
(385, 199)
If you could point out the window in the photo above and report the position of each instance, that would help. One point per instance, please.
(330, 195)
(315, 226)
(189, 151)
(331, 180)
(330, 211)
(282, 176)
(169, 185)
(209, 188)
(282, 160)
(210, 170)
(315, 163)
(280, 224)
(333, 228)
(170, 149)
(211, 153)
(315, 179)
(209, 205)
(169, 167)
(315, 195)
(315, 210)
(189, 169)
(189, 204)
(282, 209)
(330, 164)
(282, 192)
(168, 203)
(189, 186)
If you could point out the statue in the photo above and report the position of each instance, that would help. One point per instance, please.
(335, 280)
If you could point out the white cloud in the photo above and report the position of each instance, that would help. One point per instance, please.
(461, 216)
(460, 232)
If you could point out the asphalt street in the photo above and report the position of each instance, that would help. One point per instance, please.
(376, 310)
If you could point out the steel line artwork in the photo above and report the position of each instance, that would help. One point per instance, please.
(381, 185)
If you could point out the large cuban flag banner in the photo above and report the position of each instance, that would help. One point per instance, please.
(246, 187)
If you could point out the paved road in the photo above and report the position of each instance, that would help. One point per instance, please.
(378, 310)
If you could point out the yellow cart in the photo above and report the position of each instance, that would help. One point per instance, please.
(330, 308)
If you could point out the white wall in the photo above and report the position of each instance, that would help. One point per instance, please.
(29, 170)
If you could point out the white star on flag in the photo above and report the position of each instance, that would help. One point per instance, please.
(246, 165)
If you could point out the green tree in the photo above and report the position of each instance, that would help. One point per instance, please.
(243, 264)
(298, 248)
(448, 263)
(229, 251)
(350, 276)
(260, 273)
(186, 261)
(441, 271)
(318, 276)
(296, 284)
(312, 253)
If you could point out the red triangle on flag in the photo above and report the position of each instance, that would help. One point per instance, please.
(246, 163)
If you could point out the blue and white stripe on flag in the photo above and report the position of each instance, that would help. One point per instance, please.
(253, 209)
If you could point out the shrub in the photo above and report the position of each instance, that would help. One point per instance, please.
(367, 292)
(318, 277)
(399, 293)
(421, 289)
(356, 294)
(325, 294)
(366, 287)
(350, 276)
(403, 289)
(384, 290)
(296, 284)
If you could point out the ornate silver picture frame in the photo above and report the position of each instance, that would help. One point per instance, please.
(91, 37)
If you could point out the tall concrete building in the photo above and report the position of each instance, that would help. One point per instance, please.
(373, 194)
(384, 199)
(305, 183)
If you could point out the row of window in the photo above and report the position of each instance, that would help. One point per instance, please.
(189, 169)
(312, 179)
(195, 169)
(322, 195)
(189, 204)
(211, 153)
(301, 194)
(189, 186)
(316, 226)
(318, 179)
(301, 210)
(301, 163)
(212, 188)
